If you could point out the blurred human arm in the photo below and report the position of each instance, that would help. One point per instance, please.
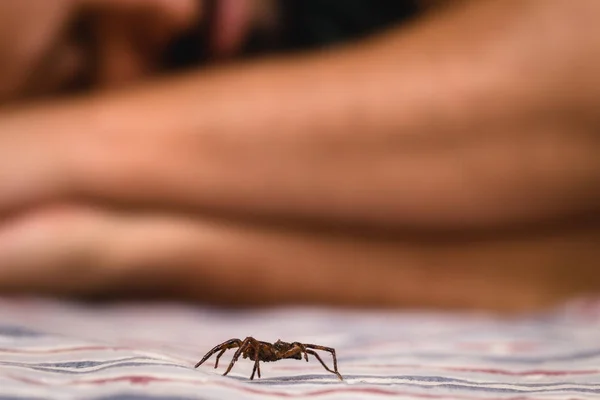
(97, 252)
(481, 118)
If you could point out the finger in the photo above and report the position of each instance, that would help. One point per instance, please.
(61, 69)
(79, 250)
(30, 31)
(232, 22)
(130, 37)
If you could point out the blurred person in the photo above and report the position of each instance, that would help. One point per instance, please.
(447, 161)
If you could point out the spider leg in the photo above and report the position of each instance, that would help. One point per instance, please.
(249, 341)
(330, 350)
(303, 349)
(314, 353)
(295, 349)
(230, 344)
(256, 368)
(219, 356)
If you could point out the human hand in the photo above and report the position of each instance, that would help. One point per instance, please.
(44, 50)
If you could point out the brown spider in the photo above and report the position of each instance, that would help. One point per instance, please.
(264, 351)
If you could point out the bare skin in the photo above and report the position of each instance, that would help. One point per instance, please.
(42, 53)
(480, 118)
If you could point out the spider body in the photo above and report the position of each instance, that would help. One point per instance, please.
(258, 351)
(268, 352)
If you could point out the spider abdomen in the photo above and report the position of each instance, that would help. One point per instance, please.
(263, 355)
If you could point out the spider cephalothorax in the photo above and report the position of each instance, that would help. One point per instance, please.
(264, 351)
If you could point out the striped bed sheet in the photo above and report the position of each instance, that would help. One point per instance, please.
(60, 350)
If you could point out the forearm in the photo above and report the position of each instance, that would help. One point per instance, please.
(274, 266)
(190, 257)
(399, 131)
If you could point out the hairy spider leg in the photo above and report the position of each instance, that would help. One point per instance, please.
(219, 356)
(249, 341)
(230, 344)
(256, 368)
(314, 353)
(330, 350)
(298, 344)
(295, 349)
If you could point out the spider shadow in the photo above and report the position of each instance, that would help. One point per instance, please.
(313, 379)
